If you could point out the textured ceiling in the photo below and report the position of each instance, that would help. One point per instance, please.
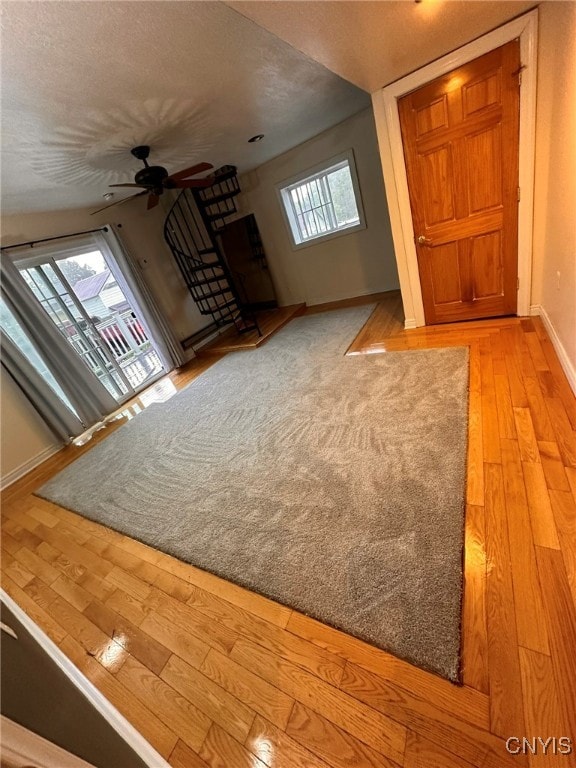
(83, 82)
(371, 44)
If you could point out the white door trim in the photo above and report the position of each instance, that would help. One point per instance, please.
(385, 104)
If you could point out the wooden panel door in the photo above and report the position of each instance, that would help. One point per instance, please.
(460, 137)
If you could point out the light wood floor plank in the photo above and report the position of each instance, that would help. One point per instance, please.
(242, 598)
(172, 708)
(70, 569)
(266, 698)
(565, 437)
(554, 471)
(561, 616)
(564, 510)
(126, 605)
(538, 498)
(190, 620)
(506, 421)
(222, 708)
(42, 595)
(541, 421)
(424, 717)
(110, 654)
(183, 757)
(526, 436)
(184, 644)
(220, 750)
(474, 632)
(541, 703)
(276, 749)
(334, 745)
(363, 722)
(459, 699)
(72, 592)
(515, 377)
(9, 543)
(323, 664)
(536, 352)
(503, 662)
(15, 570)
(571, 476)
(37, 613)
(36, 565)
(475, 474)
(136, 642)
(490, 429)
(529, 611)
(421, 753)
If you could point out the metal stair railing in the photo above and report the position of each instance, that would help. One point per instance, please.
(190, 232)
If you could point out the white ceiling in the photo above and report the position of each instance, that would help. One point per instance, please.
(372, 43)
(83, 82)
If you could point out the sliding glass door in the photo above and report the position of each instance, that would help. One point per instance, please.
(79, 293)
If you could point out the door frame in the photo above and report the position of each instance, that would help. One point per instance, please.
(385, 105)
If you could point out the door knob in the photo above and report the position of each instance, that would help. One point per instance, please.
(424, 240)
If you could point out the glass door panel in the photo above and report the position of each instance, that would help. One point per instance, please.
(82, 298)
(58, 301)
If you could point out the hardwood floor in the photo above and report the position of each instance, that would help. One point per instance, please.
(213, 675)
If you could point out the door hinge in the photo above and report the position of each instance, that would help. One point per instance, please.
(518, 72)
(518, 194)
(517, 283)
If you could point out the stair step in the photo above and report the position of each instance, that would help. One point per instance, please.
(216, 216)
(208, 265)
(187, 256)
(216, 278)
(207, 201)
(226, 305)
(213, 294)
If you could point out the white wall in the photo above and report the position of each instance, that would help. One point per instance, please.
(353, 264)
(24, 438)
(554, 277)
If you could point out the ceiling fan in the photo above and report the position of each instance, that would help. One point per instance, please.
(154, 179)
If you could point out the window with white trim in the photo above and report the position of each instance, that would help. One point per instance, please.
(323, 202)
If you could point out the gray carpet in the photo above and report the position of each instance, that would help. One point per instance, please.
(332, 484)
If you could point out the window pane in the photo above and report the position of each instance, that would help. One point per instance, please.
(322, 204)
(343, 197)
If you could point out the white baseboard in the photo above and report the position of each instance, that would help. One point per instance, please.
(28, 466)
(410, 323)
(565, 362)
(117, 721)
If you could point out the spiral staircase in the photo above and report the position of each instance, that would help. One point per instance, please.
(191, 231)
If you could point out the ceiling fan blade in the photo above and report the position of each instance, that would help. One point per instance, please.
(142, 186)
(192, 171)
(207, 181)
(153, 201)
(119, 202)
